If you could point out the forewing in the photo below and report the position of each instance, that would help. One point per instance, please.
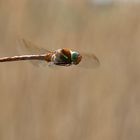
(89, 61)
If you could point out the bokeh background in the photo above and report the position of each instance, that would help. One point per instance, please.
(42, 103)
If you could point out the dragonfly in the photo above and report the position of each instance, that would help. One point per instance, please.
(60, 57)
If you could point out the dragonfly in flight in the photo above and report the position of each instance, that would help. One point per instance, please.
(59, 57)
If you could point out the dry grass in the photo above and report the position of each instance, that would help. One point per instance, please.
(71, 103)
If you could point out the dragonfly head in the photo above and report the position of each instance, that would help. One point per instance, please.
(75, 57)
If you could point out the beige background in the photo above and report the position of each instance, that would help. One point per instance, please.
(40, 103)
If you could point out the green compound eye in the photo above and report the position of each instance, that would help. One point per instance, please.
(74, 56)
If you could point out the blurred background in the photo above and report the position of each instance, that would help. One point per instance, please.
(41, 103)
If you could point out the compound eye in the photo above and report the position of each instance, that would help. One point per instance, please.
(74, 56)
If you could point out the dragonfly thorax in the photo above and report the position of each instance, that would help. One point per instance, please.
(66, 57)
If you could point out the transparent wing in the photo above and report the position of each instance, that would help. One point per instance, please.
(89, 61)
(27, 47)
(54, 66)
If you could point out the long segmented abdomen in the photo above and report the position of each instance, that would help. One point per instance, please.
(44, 57)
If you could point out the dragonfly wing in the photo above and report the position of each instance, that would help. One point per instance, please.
(27, 47)
(39, 63)
(53, 66)
(57, 66)
(89, 61)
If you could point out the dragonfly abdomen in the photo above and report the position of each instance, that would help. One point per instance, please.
(23, 57)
